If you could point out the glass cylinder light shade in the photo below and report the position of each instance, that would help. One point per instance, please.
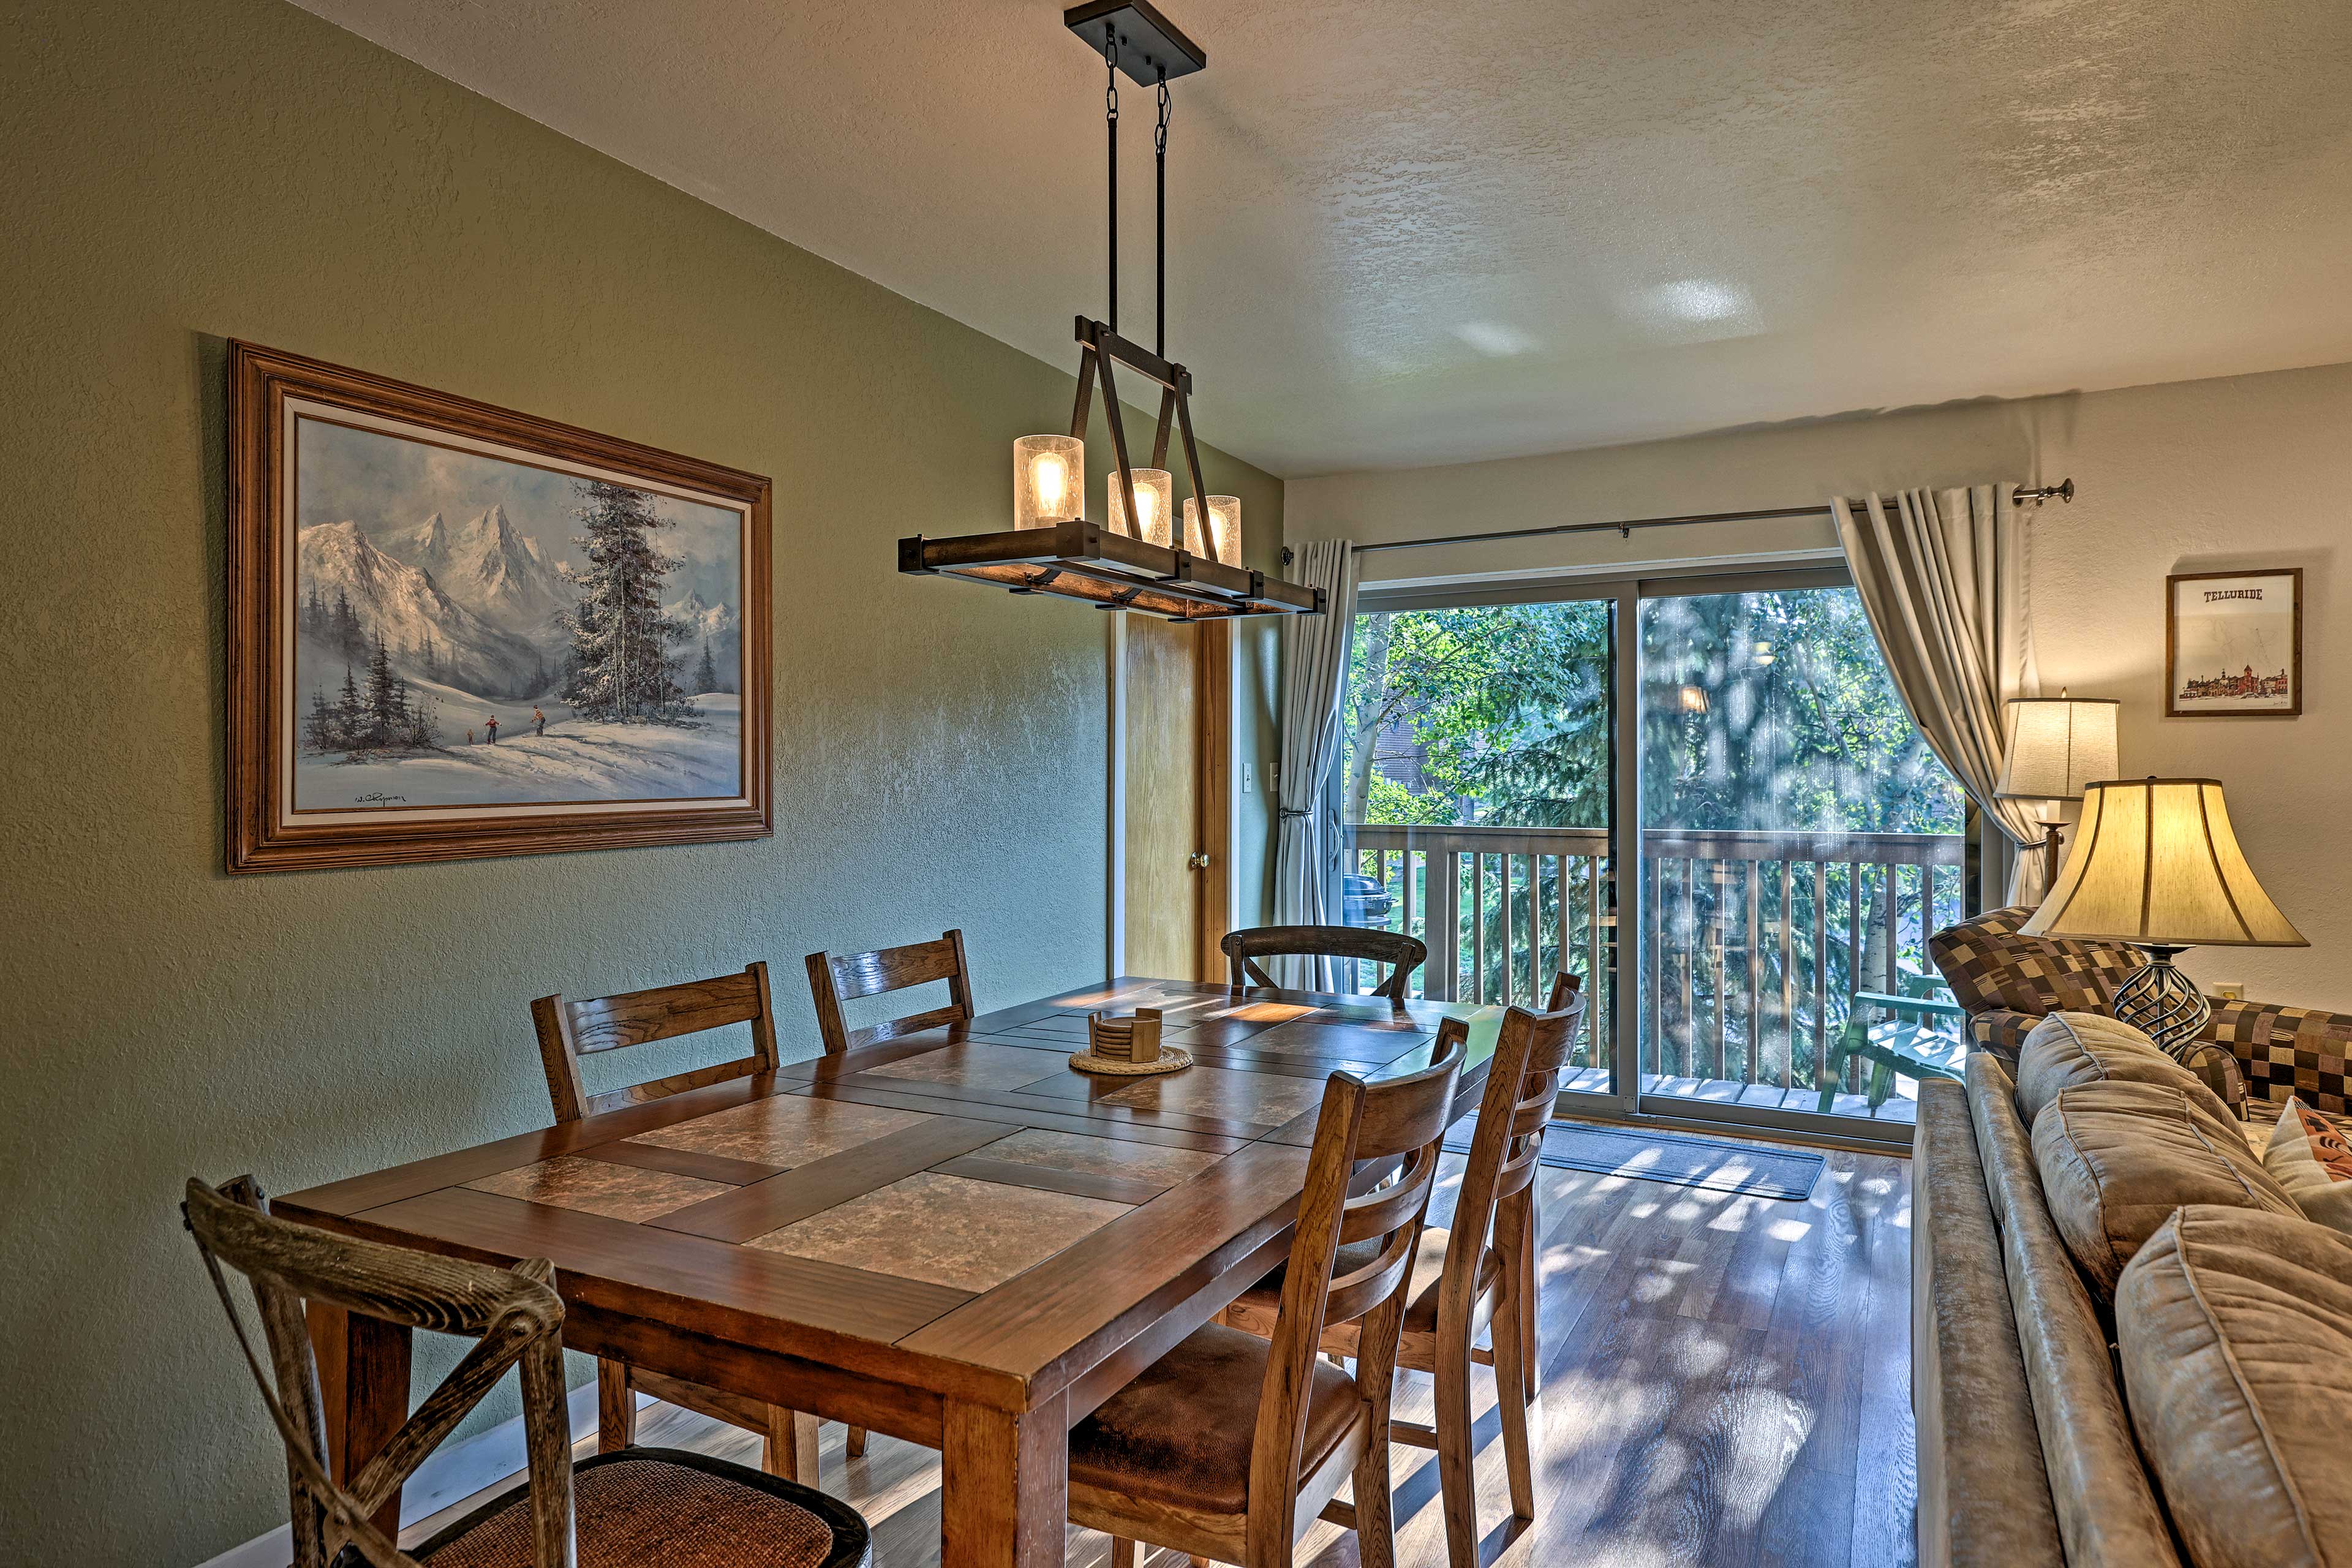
(1049, 480)
(1223, 540)
(1155, 502)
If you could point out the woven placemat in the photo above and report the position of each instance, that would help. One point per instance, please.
(1170, 1059)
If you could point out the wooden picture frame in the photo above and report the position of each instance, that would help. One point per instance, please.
(2231, 651)
(607, 748)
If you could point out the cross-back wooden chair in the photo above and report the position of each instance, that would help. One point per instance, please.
(1464, 1286)
(833, 980)
(1231, 1445)
(569, 1030)
(649, 1507)
(1242, 950)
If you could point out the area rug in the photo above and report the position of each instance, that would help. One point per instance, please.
(1717, 1165)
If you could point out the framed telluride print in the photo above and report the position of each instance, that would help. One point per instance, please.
(456, 630)
(2234, 644)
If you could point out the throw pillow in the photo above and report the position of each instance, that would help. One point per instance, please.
(2313, 1161)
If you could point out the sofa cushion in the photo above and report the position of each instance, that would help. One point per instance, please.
(2235, 1334)
(2108, 1513)
(2309, 1156)
(2069, 1048)
(2116, 1159)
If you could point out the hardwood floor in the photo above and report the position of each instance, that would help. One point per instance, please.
(1726, 1382)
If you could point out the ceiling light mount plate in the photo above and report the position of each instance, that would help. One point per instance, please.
(1149, 45)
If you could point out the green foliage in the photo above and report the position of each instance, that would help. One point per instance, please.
(1509, 705)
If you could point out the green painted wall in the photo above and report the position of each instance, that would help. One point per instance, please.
(177, 175)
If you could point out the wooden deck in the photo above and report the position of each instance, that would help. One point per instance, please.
(1726, 1382)
(1900, 1109)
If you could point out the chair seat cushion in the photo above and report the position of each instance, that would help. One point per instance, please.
(1428, 1273)
(658, 1507)
(1180, 1433)
(2117, 1159)
(2070, 1048)
(2234, 1333)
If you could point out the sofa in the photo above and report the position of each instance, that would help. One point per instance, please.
(2130, 1348)
(2009, 983)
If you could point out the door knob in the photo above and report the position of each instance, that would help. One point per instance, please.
(1198, 860)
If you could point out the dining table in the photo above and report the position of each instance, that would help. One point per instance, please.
(952, 1236)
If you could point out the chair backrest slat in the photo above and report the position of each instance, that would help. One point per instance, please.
(513, 1314)
(1399, 1120)
(847, 977)
(1242, 949)
(1497, 1179)
(568, 1031)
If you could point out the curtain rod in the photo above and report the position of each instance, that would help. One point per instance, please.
(2024, 495)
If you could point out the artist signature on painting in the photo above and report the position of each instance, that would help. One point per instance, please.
(379, 799)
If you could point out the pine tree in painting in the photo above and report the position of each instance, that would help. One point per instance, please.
(706, 673)
(344, 629)
(620, 638)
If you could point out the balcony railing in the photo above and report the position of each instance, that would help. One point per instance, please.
(1755, 940)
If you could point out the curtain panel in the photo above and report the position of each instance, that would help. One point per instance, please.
(1942, 576)
(1311, 842)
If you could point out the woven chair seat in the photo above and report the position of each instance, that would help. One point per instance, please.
(657, 1507)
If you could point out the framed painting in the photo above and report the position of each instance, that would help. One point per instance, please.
(2234, 645)
(457, 631)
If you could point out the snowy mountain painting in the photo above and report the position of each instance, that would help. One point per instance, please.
(472, 630)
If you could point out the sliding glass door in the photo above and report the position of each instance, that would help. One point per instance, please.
(1799, 844)
(1506, 751)
(1476, 775)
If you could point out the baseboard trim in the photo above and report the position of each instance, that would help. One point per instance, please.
(452, 1473)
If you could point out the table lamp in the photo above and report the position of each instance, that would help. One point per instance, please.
(2057, 745)
(2155, 865)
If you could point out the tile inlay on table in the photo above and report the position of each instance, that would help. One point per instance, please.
(1259, 1100)
(1098, 1156)
(946, 1230)
(618, 1192)
(782, 1130)
(978, 1065)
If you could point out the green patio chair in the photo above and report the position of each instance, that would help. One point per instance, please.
(1904, 1043)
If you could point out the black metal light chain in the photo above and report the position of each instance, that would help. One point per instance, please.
(1110, 123)
(1159, 260)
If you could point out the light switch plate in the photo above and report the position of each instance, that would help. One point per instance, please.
(1249, 778)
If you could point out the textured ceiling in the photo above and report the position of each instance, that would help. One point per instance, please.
(1409, 234)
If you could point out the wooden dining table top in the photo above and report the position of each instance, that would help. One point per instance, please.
(953, 1217)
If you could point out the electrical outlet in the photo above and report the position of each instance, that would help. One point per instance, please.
(2233, 991)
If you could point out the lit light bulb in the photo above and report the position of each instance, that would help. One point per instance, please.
(1147, 513)
(1050, 477)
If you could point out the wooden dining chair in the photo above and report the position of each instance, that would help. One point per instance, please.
(851, 975)
(1462, 1284)
(1229, 1446)
(571, 1030)
(1243, 948)
(648, 1508)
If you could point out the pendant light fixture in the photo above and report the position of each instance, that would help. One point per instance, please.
(1145, 552)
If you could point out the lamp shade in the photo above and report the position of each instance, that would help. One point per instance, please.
(2155, 862)
(1049, 480)
(1222, 540)
(2057, 745)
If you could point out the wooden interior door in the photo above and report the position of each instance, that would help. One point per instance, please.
(1176, 799)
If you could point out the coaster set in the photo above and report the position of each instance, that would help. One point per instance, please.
(1126, 1047)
